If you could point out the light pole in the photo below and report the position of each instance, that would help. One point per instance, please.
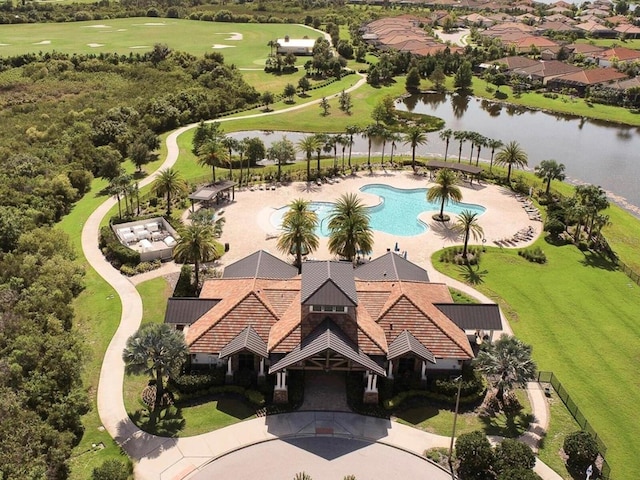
(455, 419)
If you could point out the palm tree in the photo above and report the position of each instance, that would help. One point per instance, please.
(473, 137)
(384, 136)
(550, 170)
(343, 140)
(349, 228)
(460, 136)
(169, 182)
(298, 231)
(446, 189)
(394, 138)
(212, 153)
(370, 132)
(351, 130)
(230, 144)
(481, 141)
(415, 136)
(468, 224)
(511, 155)
(308, 145)
(493, 144)
(157, 350)
(196, 244)
(445, 135)
(509, 361)
(321, 141)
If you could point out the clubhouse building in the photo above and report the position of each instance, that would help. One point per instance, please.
(383, 318)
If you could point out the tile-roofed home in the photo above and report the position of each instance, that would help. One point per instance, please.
(561, 27)
(515, 61)
(596, 29)
(586, 78)
(380, 318)
(558, 17)
(526, 44)
(559, 10)
(546, 70)
(617, 54)
(628, 29)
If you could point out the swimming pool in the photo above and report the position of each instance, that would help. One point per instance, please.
(396, 214)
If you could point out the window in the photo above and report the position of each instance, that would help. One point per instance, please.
(329, 308)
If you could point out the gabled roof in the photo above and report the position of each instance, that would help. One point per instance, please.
(621, 53)
(515, 61)
(327, 336)
(260, 264)
(391, 266)
(591, 76)
(247, 339)
(473, 316)
(185, 310)
(328, 283)
(407, 343)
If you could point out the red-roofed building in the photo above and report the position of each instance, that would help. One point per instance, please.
(584, 79)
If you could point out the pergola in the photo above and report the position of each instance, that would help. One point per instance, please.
(457, 167)
(209, 192)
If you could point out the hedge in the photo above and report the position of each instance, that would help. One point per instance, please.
(116, 253)
(396, 401)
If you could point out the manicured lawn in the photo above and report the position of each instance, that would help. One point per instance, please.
(611, 42)
(580, 314)
(561, 424)
(437, 420)
(138, 35)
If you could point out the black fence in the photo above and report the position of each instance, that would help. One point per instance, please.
(549, 377)
(629, 272)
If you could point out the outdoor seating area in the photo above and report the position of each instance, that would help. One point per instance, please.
(152, 238)
(523, 235)
(530, 208)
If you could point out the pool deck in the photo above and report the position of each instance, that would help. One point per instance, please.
(248, 227)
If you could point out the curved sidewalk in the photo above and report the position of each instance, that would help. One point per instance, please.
(169, 458)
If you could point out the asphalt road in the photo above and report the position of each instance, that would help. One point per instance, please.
(323, 458)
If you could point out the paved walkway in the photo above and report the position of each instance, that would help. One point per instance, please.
(168, 458)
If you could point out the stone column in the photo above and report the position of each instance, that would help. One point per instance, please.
(261, 376)
(229, 375)
(423, 375)
(371, 390)
(280, 390)
(390, 370)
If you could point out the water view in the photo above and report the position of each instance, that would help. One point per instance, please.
(396, 214)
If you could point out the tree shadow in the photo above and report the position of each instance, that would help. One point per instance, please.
(595, 260)
(472, 274)
(500, 95)
(507, 425)
(310, 187)
(444, 231)
(168, 422)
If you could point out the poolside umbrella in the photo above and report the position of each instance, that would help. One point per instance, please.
(397, 248)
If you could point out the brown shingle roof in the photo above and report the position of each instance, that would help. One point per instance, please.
(591, 76)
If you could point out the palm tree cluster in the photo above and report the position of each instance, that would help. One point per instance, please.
(298, 235)
(350, 233)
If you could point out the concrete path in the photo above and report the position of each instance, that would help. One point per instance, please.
(169, 458)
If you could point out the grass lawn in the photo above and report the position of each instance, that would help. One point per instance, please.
(580, 315)
(560, 425)
(440, 420)
(611, 42)
(242, 44)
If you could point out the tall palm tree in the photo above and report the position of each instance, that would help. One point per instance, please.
(343, 140)
(212, 153)
(445, 135)
(157, 350)
(481, 141)
(298, 231)
(196, 244)
(467, 224)
(321, 141)
(308, 145)
(511, 155)
(414, 137)
(445, 189)
(460, 136)
(370, 132)
(349, 228)
(473, 137)
(394, 138)
(509, 361)
(493, 144)
(351, 130)
(169, 182)
(231, 144)
(384, 137)
(550, 170)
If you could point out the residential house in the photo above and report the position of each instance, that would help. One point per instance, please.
(618, 55)
(582, 80)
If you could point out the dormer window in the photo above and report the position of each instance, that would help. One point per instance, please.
(328, 308)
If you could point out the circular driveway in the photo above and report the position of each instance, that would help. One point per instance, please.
(323, 458)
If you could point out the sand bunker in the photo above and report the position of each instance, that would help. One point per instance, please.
(4, 44)
(141, 46)
(217, 45)
(97, 26)
(43, 42)
(121, 30)
(151, 24)
(235, 36)
(95, 45)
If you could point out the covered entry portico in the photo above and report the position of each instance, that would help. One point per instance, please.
(327, 349)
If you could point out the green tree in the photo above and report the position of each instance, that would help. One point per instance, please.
(464, 76)
(349, 228)
(267, 99)
(438, 78)
(157, 350)
(475, 456)
(370, 132)
(112, 469)
(139, 154)
(232, 145)
(509, 362)
(169, 182)
(325, 106)
(412, 83)
(594, 199)
(466, 225)
(345, 102)
(582, 450)
(445, 189)
(480, 141)
(493, 144)
(445, 135)
(414, 137)
(460, 136)
(289, 92)
(196, 244)
(282, 152)
(213, 153)
(308, 145)
(298, 235)
(304, 85)
(350, 131)
(550, 170)
(511, 454)
(511, 155)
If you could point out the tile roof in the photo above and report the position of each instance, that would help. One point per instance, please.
(327, 336)
(407, 343)
(186, 310)
(247, 339)
(548, 68)
(328, 282)
(591, 76)
(621, 53)
(391, 266)
(515, 61)
(260, 264)
(473, 316)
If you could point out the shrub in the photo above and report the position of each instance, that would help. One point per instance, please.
(454, 255)
(581, 450)
(116, 253)
(112, 469)
(535, 255)
(512, 455)
(518, 473)
(471, 385)
(475, 455)
(583, 246)
(185, 287)
(197, 382)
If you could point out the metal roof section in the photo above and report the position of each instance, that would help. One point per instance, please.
(407, 343)
(459, 167)
(186, 310)
(473, 316)
(327, 335)
(209, 192)
(260, 264)
(328, 283)
(391, 266)
(247, 339)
